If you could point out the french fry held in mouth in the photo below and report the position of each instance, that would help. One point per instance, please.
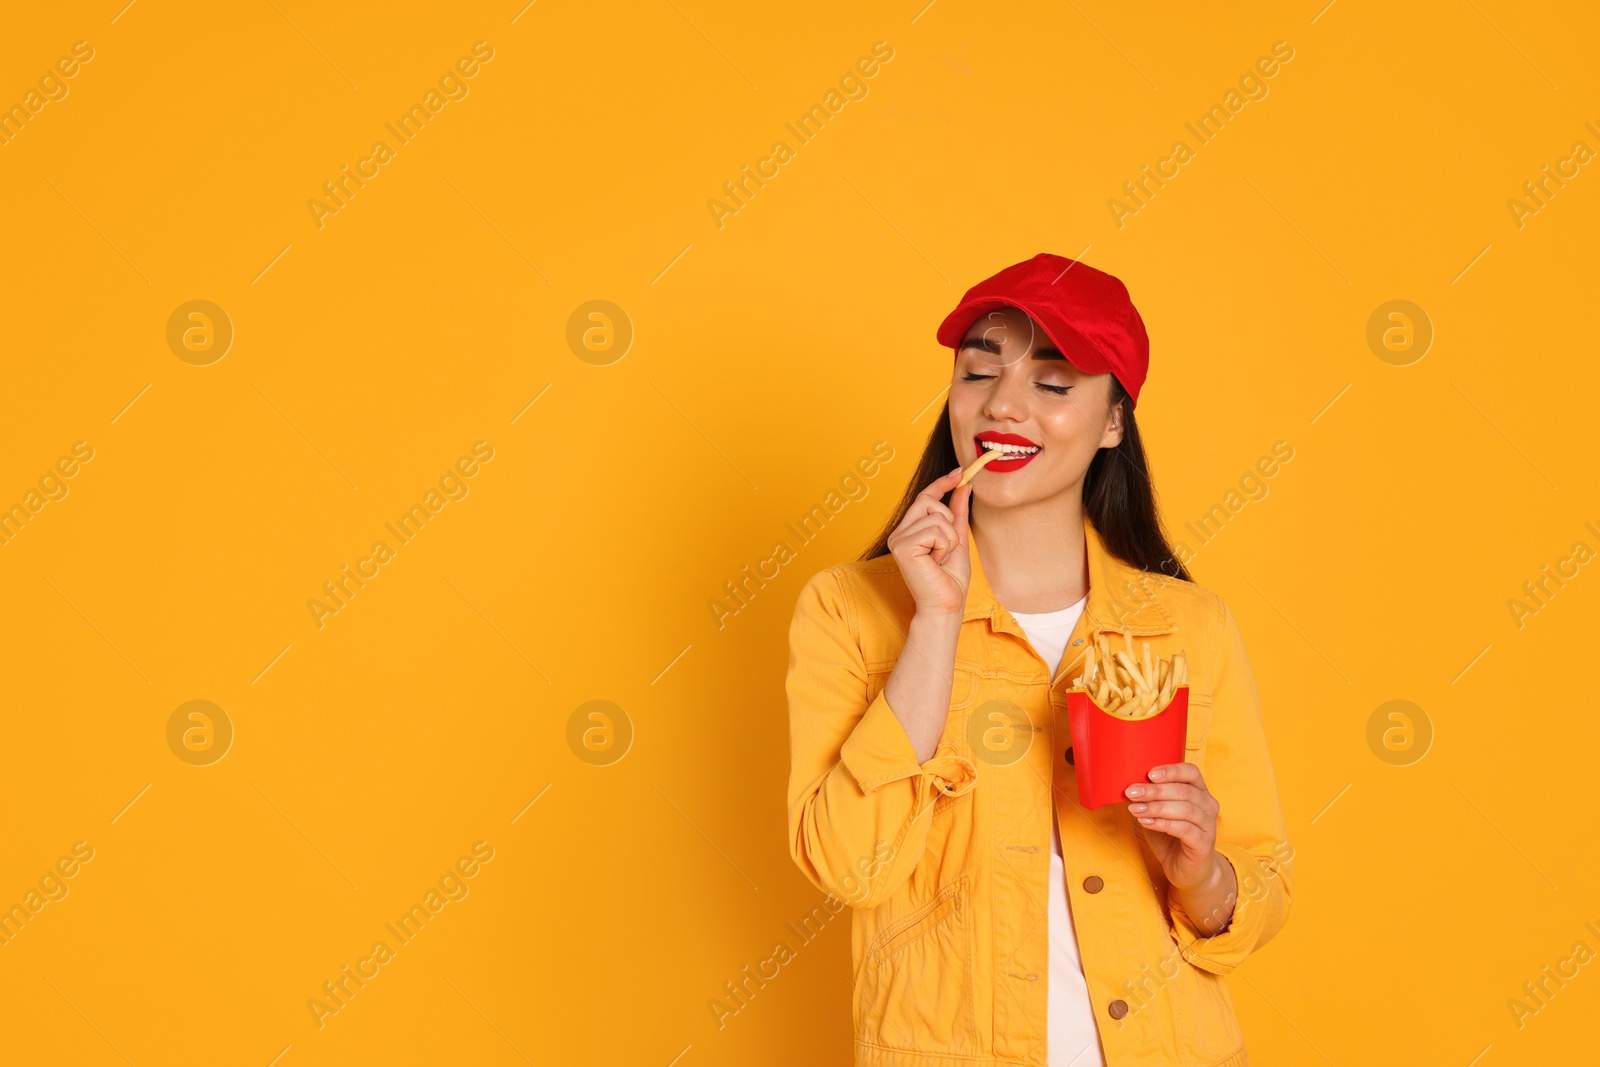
(1129, 686)
(977, 465)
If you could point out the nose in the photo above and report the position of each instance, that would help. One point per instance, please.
(1007, 401)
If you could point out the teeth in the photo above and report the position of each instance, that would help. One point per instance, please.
(1027, 450)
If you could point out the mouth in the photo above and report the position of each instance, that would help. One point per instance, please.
(1018, 450)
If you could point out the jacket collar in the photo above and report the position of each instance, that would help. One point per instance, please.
(1122, 598)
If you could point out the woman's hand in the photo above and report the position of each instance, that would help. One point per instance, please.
(930, 547)
(1179, 818)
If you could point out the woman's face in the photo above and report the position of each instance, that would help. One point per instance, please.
(1011, 384)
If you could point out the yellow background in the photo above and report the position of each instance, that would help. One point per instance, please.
(428, 313)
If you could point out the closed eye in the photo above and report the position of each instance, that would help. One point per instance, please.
(1057, 390)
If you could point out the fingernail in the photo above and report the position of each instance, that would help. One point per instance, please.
(1136, 808)
(1136, 790)
(1157, 774)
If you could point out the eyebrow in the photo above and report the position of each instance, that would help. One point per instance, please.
(993, 347)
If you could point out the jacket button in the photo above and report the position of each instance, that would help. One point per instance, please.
(1070, 760)
(1094, 883)
(1118, 1008)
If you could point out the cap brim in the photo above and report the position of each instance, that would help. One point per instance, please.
(1072, 344)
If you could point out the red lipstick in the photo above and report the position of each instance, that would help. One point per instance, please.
(1022, 448)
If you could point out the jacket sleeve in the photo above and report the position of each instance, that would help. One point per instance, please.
(858, 801)
(1250, 829)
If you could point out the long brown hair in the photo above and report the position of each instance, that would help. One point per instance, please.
(1118, 496)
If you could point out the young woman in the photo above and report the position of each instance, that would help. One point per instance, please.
(932, 779)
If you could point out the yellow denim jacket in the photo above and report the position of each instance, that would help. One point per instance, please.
(947, 862)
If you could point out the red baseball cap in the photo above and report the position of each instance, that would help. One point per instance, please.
(1086, 312)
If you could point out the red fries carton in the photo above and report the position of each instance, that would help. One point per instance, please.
(1111, 753)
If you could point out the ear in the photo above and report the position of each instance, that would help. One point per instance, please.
(1111, 436)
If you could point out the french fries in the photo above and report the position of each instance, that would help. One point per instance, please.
(978, 464)
(1128, 685)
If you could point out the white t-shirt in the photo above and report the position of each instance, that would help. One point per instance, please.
(1072, 1036)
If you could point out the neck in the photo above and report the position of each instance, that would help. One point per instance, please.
(1034, 555)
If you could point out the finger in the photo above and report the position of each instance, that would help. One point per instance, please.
(960, 505)
(934, 546)
(919, 527)
(935, 507)
(1170, 791)
(931, 534)
(1187, 832)
(1177, 772)
(1174, 810)
(919, 519)
(960, 501)
(940, 485)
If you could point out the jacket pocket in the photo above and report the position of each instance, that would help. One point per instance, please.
(1207, 1027)
(914, 991)
(962, 687)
